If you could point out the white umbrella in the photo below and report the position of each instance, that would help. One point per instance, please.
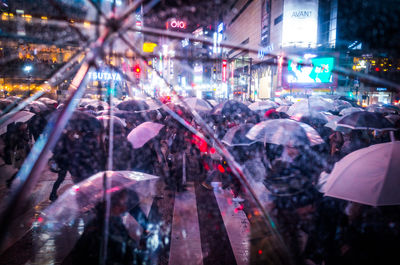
(105, 120)
(263, 105)
(350, 110)
(21, 116)
(140, 135)
(284, 132)
(198, 104)
(283, 108)
(368, 176)
(85, 195)
(310, 104)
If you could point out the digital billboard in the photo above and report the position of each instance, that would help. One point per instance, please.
(314, 71)
(300, 22)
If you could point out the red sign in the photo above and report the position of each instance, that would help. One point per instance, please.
(176, 24)
(224, 64)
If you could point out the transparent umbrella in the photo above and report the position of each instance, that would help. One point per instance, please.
(284, 132)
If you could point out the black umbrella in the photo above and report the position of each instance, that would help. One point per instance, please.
(133, 105)
(84, 122)
(231, 108)
(365, 120)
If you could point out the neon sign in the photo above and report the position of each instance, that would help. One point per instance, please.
(224, 64)
(105, 76)
(176, 24)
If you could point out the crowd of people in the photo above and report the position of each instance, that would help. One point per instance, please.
(315, 228)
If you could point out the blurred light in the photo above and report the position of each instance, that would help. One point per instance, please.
(86, 24)
(27, 68)
(149, 46)
(43, 18)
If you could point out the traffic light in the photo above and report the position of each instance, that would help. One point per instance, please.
(137, 70)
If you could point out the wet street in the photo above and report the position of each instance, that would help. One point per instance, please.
(201, 226)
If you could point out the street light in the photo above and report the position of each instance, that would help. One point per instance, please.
(27, 69)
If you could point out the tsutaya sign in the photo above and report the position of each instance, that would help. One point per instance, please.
(105, 76)
(300, 22)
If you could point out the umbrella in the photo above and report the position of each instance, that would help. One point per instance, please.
(87, 194)
(313, 117)
(212, 102)
(4, 103)
(20, 116)
(230, 107)
(37, 106)
(133, 105)
(283, 108)
(283, 101)
(47, 101)
(368, 176)
(341, 104)
(263, 105)
(197, 104)
(284, 132)
(236, 136)
(365, 120)
(393, 118)
(153, 105)
(350, 110)
(96, 103)
(84, 122)
(105, 120)
(140, 135)
(13, 98)
(383, 108)
(310, 104)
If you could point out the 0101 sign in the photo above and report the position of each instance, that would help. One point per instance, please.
(176, 24)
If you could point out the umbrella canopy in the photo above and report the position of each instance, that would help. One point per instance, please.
(283, 101)
(236, 136)
(4, 103)
(341, 104)
(13, 98)
(313, 117)
(140, 135)
(20, 116)
(365, 120)
(310, 104)
(230, 108)
(198, 104)
(350, 110)
(105, 120)
(284, 132)
(84, 122)
(212, 102)
(47, 101)
(263, 105)
(87, 194)
(383, 108)
(393, 118)
(283, 108)
(133, 105)
(369, 176)
(153, 105)
(36, 106)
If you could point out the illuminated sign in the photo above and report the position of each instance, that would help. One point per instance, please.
(149, 46)
(176, 24)
(224, 64)
(264, 51)
(381, 89)
(320, 71)
(300, 21)
(105, 76)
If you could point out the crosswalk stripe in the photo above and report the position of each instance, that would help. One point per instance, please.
(236, 224)
(185, 236)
